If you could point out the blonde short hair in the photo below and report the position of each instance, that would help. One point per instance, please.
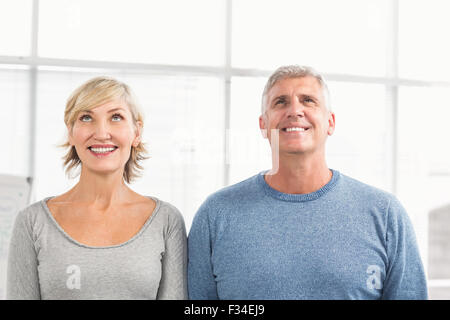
(91, 94)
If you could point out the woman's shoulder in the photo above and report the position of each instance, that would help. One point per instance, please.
(167, 213)
(167, 207)
(172, 218)
(34, 209)
(33, 216)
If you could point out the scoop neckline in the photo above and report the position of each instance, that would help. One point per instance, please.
(137, 235)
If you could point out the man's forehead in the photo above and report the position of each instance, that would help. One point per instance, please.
(306, 85)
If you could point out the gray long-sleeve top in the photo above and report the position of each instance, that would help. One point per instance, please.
(46, 263)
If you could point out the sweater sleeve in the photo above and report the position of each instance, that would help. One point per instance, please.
(173, 284)
(405, 277)
(201, 280)
(22, 275)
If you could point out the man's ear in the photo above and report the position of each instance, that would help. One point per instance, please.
(137, 132)
(331, 123)
(262, 126)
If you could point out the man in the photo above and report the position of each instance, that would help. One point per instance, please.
(302, 231)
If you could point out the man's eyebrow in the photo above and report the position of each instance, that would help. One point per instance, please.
(305, 95)
(283, 96)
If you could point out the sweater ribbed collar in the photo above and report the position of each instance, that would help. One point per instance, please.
(298, 197)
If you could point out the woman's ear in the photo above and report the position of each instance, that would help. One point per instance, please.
(138, 133)
(69, 134)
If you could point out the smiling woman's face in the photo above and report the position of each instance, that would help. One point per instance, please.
(103, 137)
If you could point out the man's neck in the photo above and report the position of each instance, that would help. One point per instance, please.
(297, 175)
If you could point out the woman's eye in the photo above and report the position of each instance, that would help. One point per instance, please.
(117, 117)
(85, 118)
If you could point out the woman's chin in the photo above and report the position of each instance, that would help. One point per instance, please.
(104, 170)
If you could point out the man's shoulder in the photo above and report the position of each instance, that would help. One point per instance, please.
(362, 189)
(232, 195)
(364, 197)
(239, 189)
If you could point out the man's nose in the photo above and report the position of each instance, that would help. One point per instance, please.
(296, 109)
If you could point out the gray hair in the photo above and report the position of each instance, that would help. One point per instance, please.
(294, 71)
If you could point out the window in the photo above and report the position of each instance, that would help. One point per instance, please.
(249, 152)
(15, 128)
(359, 146)
(424, 175)
(423, 52)
(333, 36)
(133, 31)
(15, 27)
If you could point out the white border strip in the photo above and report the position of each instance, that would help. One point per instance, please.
(438, 283)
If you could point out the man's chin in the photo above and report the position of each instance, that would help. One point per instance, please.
(295, 151)
(295, 148)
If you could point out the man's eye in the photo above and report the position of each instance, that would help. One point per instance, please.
(280, 102)
(85, 118)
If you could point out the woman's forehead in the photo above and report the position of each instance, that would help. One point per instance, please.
(103, 107)
(109, 106)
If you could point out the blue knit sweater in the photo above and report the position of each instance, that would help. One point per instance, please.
(346, 240)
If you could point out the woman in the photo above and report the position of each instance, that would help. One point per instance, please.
(99, 240)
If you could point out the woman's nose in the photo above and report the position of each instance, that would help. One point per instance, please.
(102, 131)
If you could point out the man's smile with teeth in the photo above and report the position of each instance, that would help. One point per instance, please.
(294, 129)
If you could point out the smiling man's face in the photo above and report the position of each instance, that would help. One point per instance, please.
(296, 107)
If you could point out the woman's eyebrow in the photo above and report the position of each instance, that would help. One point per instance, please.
(109, 111)
(116, 109)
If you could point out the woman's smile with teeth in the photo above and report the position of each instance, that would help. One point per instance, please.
(102, 150)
